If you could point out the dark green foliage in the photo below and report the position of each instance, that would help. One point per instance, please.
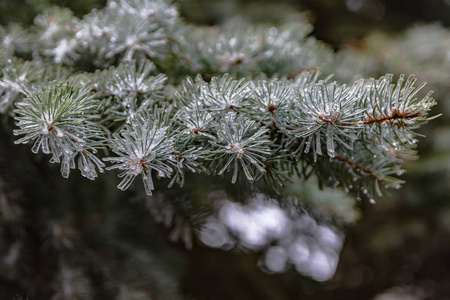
(220, 123)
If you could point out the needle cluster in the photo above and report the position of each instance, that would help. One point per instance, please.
(136, 87)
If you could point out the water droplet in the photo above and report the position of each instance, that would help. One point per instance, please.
(308, 145)
(372, 201)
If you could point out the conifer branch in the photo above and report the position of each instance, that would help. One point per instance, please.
(357, 166)
(166, 122)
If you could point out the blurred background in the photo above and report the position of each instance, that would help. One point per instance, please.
(326, 245)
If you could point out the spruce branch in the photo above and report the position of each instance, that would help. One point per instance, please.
(225, 94)
(319, 113)
(270, 100)
(241, 145)
(60, 120)
(15, 75)
(359, 167)
(258, 104)
(128, 89)
(202, 114)
(142, 146)
(14, 39)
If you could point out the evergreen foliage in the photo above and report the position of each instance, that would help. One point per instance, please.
(360, 130)
(134, 87)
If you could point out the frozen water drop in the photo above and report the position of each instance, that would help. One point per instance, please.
(308, 145)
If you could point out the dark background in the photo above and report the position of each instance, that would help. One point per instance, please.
(399, 247)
